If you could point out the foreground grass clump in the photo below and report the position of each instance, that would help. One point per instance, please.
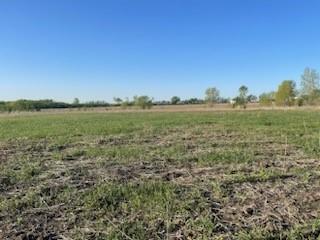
(142, 210)
(148, 202)
(144, 196)
(187, 175)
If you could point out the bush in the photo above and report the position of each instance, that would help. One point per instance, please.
(144, 102)
(267, 99)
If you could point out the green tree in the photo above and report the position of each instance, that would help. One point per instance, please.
(212, 96)
(267, 99)
(310, 85)
(243, 91)
(144, 102)
(175, 100)
(285, 96)
(252, 98)
(76, 101)
(117, 100)
(241, 99)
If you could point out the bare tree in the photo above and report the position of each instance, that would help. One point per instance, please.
(212, 96)
(310, 84)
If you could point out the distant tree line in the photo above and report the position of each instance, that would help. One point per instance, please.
(287, 94)
(37, 105)
(31, 105)
(145, 102)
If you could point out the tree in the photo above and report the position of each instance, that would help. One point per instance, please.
(117, 100)
(175, 100)
(243, 91)
(310, 85)
(285, 96)
(144, 102)
(76, 101)
(242, 99)
(252, 98)
(212, 96)
(267, 99)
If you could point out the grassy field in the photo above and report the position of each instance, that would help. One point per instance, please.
(160, 175)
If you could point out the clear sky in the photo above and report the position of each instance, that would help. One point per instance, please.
(99, 49)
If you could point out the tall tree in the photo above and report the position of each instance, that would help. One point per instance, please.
(212, 96)
(310, 84)
(242, 99)
(243, 91)
(285, 96)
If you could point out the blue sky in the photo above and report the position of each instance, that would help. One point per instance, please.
(99, 49)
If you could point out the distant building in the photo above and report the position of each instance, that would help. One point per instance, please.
(232, 101)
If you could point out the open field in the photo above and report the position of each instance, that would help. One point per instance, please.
(160, 175)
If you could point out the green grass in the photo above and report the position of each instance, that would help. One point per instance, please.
(157, 175)
(300, 127)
